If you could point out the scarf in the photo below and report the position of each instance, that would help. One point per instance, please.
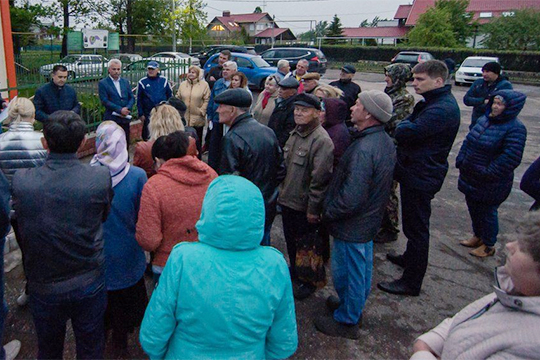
(111, 150)
(266, 97)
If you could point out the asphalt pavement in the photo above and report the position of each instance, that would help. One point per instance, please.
(390, 323)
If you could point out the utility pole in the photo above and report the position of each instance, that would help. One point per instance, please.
(173, 26)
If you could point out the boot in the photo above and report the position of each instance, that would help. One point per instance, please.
(483, 251)
(328, 326)
(473, 242)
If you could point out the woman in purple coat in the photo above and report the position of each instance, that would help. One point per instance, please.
(333, 115)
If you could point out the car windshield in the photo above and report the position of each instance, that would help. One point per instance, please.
(70, 59)
(475, 63)
(260, 62)
(407, 57)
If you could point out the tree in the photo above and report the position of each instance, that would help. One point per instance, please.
(258, 10)
(23, 18)
(518, 32)
(446, 24)
(320, 30)
(335, 29)
(191, 19)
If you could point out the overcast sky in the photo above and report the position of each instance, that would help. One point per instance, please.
(296, 14)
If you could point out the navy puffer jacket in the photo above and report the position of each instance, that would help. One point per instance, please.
(491, 152)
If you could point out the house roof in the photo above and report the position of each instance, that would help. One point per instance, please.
(403, 12)
(233, 21)
(496, 7)
(269, 33)
(375, 32)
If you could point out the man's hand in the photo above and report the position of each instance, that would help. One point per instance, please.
(125, 111)
(212, 78)
(313, 219)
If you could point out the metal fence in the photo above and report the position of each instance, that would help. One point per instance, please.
(33, 70)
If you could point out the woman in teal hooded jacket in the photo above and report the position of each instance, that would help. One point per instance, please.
(225, 296)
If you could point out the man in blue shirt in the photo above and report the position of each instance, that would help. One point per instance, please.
(151, 90)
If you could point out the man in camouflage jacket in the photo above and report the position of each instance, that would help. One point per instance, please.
(396, 77)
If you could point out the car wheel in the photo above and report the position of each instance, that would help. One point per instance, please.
(71, 75)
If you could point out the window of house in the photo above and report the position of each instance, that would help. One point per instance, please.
(486, 15)
(251, 27)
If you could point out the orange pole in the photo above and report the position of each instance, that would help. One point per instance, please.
(8, 47)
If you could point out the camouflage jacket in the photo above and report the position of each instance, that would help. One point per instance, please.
(401, 99)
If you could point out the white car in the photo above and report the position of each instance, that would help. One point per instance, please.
(471, 69)
(175, 57)
(79, 65)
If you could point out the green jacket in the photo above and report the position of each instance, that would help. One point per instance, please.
(225, 297)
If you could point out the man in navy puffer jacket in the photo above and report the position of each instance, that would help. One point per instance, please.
(486, 162)
(424, 141)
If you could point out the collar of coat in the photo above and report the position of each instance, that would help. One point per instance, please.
(305, 130)
(241, 118)
(504, 289)
(367, 131)
(433, 94)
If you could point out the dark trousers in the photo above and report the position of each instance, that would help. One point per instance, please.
(86, 309)
(199, 130)
(295, 226)
(125, 125)
(485, 221)
(3, 306)
(145, 132)
(415, 214)
(214, 146)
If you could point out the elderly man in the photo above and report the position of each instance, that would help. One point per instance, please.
(283, 70)
(310, 81)
(251, 150)
(214, 127)
(215, 73)
(282, 118)
(309, 159)
(116, 96)
(301, 69)
(482, 89)
(151, 90)
(353, 210)
(350, 88)
(56, 95)
(424, 141)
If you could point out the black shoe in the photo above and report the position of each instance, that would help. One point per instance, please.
(329, 326)
(398, 260)
(384, 237)
(303, 290)
(332, 303)
(398, 287)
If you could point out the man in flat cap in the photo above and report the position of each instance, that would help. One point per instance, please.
(282, 119)
(353, 211)
(350, 88)
(151, 90)
(309, 157)
(251, 150)
(311, 81)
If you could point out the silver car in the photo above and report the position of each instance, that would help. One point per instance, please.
(79, 65)
(176, 57)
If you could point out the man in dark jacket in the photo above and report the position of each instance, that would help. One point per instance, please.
(282, 118)
(151, 90)
(424, 141)
(482, 90)
(350, 88)
(60, 208)
(215, 73)
(56, 95)
(251, 150)
(354, 208)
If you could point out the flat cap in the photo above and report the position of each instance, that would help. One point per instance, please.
(234, 97)
(152, 65)
(349, 69)
(289, 83)
(178, 104)
(312, 76)
(308, 100)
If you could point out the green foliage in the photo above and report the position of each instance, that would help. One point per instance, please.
(447, 24)
(335, 29)
(258, 10)
(372, 23)
(320, 30)
(518, 32)
(191, 18)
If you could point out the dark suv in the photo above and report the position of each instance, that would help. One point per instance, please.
(316, 58)
(412, 58)
(213, 49)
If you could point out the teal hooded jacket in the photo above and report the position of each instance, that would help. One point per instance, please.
(226, 296)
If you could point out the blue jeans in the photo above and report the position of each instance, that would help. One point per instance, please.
(3, 306)
(352, 267)
(86, 309)
(485, 221)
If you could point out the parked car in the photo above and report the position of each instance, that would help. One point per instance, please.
(78, 65)
(471, 69)
(127, 58)
(316, 58)
(255, 68)
(138, 69)
(175, 56)
(412, 58)
(204, 55)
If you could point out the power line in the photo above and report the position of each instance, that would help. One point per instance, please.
(270, 2)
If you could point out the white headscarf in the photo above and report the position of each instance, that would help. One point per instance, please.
(111, 150)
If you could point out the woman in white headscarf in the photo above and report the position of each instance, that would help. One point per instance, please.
(125, 260)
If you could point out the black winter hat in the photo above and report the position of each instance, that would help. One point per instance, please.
(492, 66)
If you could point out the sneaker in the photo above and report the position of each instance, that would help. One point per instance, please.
(483, 251)
(329, 326)
(12, 349)
(22, 300)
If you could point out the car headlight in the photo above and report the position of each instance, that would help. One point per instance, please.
(460, 72)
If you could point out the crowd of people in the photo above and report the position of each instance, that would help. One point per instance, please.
(329, 158)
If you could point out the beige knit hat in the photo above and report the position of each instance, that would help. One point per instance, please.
(378, 104)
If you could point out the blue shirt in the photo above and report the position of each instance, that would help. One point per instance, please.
(124, 258)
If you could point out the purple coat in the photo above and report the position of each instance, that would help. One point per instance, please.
(336, 113)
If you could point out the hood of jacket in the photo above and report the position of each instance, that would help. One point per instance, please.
(187, 170)
(335, 112)
(514, 104)
(232, 216)
(400, 74)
